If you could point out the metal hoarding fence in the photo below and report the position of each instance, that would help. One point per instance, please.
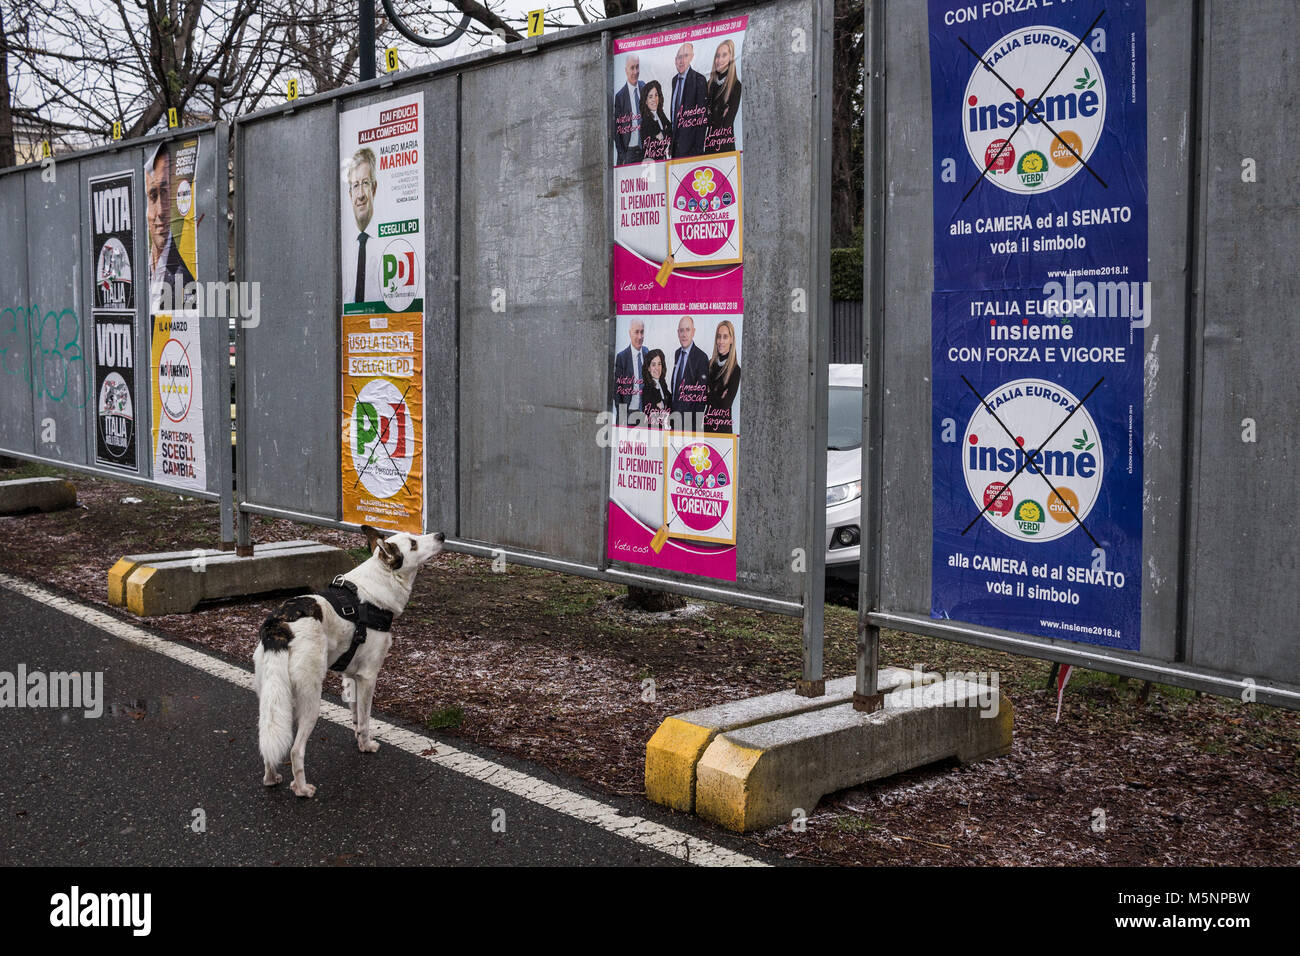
(114, 342)
(1073, 433)
(447, 260)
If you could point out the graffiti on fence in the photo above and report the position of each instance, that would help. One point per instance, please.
(44, 347)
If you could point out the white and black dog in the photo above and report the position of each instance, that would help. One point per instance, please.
(345, 627)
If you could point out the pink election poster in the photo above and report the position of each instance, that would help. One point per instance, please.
(678, 281)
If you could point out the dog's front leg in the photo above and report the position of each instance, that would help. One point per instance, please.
(365, 695)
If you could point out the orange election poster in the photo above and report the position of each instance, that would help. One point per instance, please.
(383, 420)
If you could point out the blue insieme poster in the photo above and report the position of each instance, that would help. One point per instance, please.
(1037, 316)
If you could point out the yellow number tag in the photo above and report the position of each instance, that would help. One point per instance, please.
(292, 92)
(535, 24)
(172, 120)
(390, 59)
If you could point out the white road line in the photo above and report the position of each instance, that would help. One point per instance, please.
(666, 840)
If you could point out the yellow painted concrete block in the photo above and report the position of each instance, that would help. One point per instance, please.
(722, 785)
(670, 759)
(117, 576)
(136, 597)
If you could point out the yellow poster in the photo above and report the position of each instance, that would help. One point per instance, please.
(176, 386)
(383, 420)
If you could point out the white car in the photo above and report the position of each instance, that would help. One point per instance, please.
(844, 473)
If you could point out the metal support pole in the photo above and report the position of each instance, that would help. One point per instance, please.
(243, 528)
(813, 683)
(221, 349)
(366, 39)
(867, 696)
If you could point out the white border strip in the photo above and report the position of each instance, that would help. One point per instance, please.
(664, 839)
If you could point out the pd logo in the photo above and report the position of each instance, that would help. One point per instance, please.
(383, 441)
(400, 275)
(1031, 409)
(1034, 160)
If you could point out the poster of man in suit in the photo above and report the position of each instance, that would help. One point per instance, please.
(381, 256)
(176, 332)
(169, 215)
(627, 114)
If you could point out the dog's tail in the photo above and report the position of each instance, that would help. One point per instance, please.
(275, 693)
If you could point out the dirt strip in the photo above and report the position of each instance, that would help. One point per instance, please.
(551, 668)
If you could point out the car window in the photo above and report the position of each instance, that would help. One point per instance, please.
(844, 418)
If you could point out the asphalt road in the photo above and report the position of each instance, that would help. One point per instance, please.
(123, 788)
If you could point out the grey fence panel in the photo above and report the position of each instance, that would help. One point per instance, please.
(441, 303)
(904, 554)
(213, 251)
(46, 278)
(533, 375)
(288, 410)
(16, 432)
(61, 355)
(1245, 603)
(1171, 52)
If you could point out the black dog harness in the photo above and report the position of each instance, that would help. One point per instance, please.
(343, 597)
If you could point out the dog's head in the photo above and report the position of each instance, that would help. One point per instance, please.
(403, 553)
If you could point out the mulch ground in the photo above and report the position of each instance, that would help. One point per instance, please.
(551, 668)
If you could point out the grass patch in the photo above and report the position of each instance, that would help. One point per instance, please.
(446, 718)
(31, 469)
(853, 824)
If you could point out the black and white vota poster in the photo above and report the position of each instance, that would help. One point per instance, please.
(112, 224)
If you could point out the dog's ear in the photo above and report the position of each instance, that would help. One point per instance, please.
(390, 554)
(372, 537)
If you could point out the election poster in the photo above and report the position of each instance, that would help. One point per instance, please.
(383, 430)
(170, 211)
(175, 328)
(112, 251)
(1039, 305)
(112, 223)
(176, 381)
(382, 267)
(115, 390)
(678, 270)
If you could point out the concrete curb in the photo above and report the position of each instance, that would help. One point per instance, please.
(675, 749)
(36, 494)
(759, 776)
(176, 582)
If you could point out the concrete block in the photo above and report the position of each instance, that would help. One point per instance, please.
(36, 494)
(676, 747)
(757, 776)
(176, 582)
